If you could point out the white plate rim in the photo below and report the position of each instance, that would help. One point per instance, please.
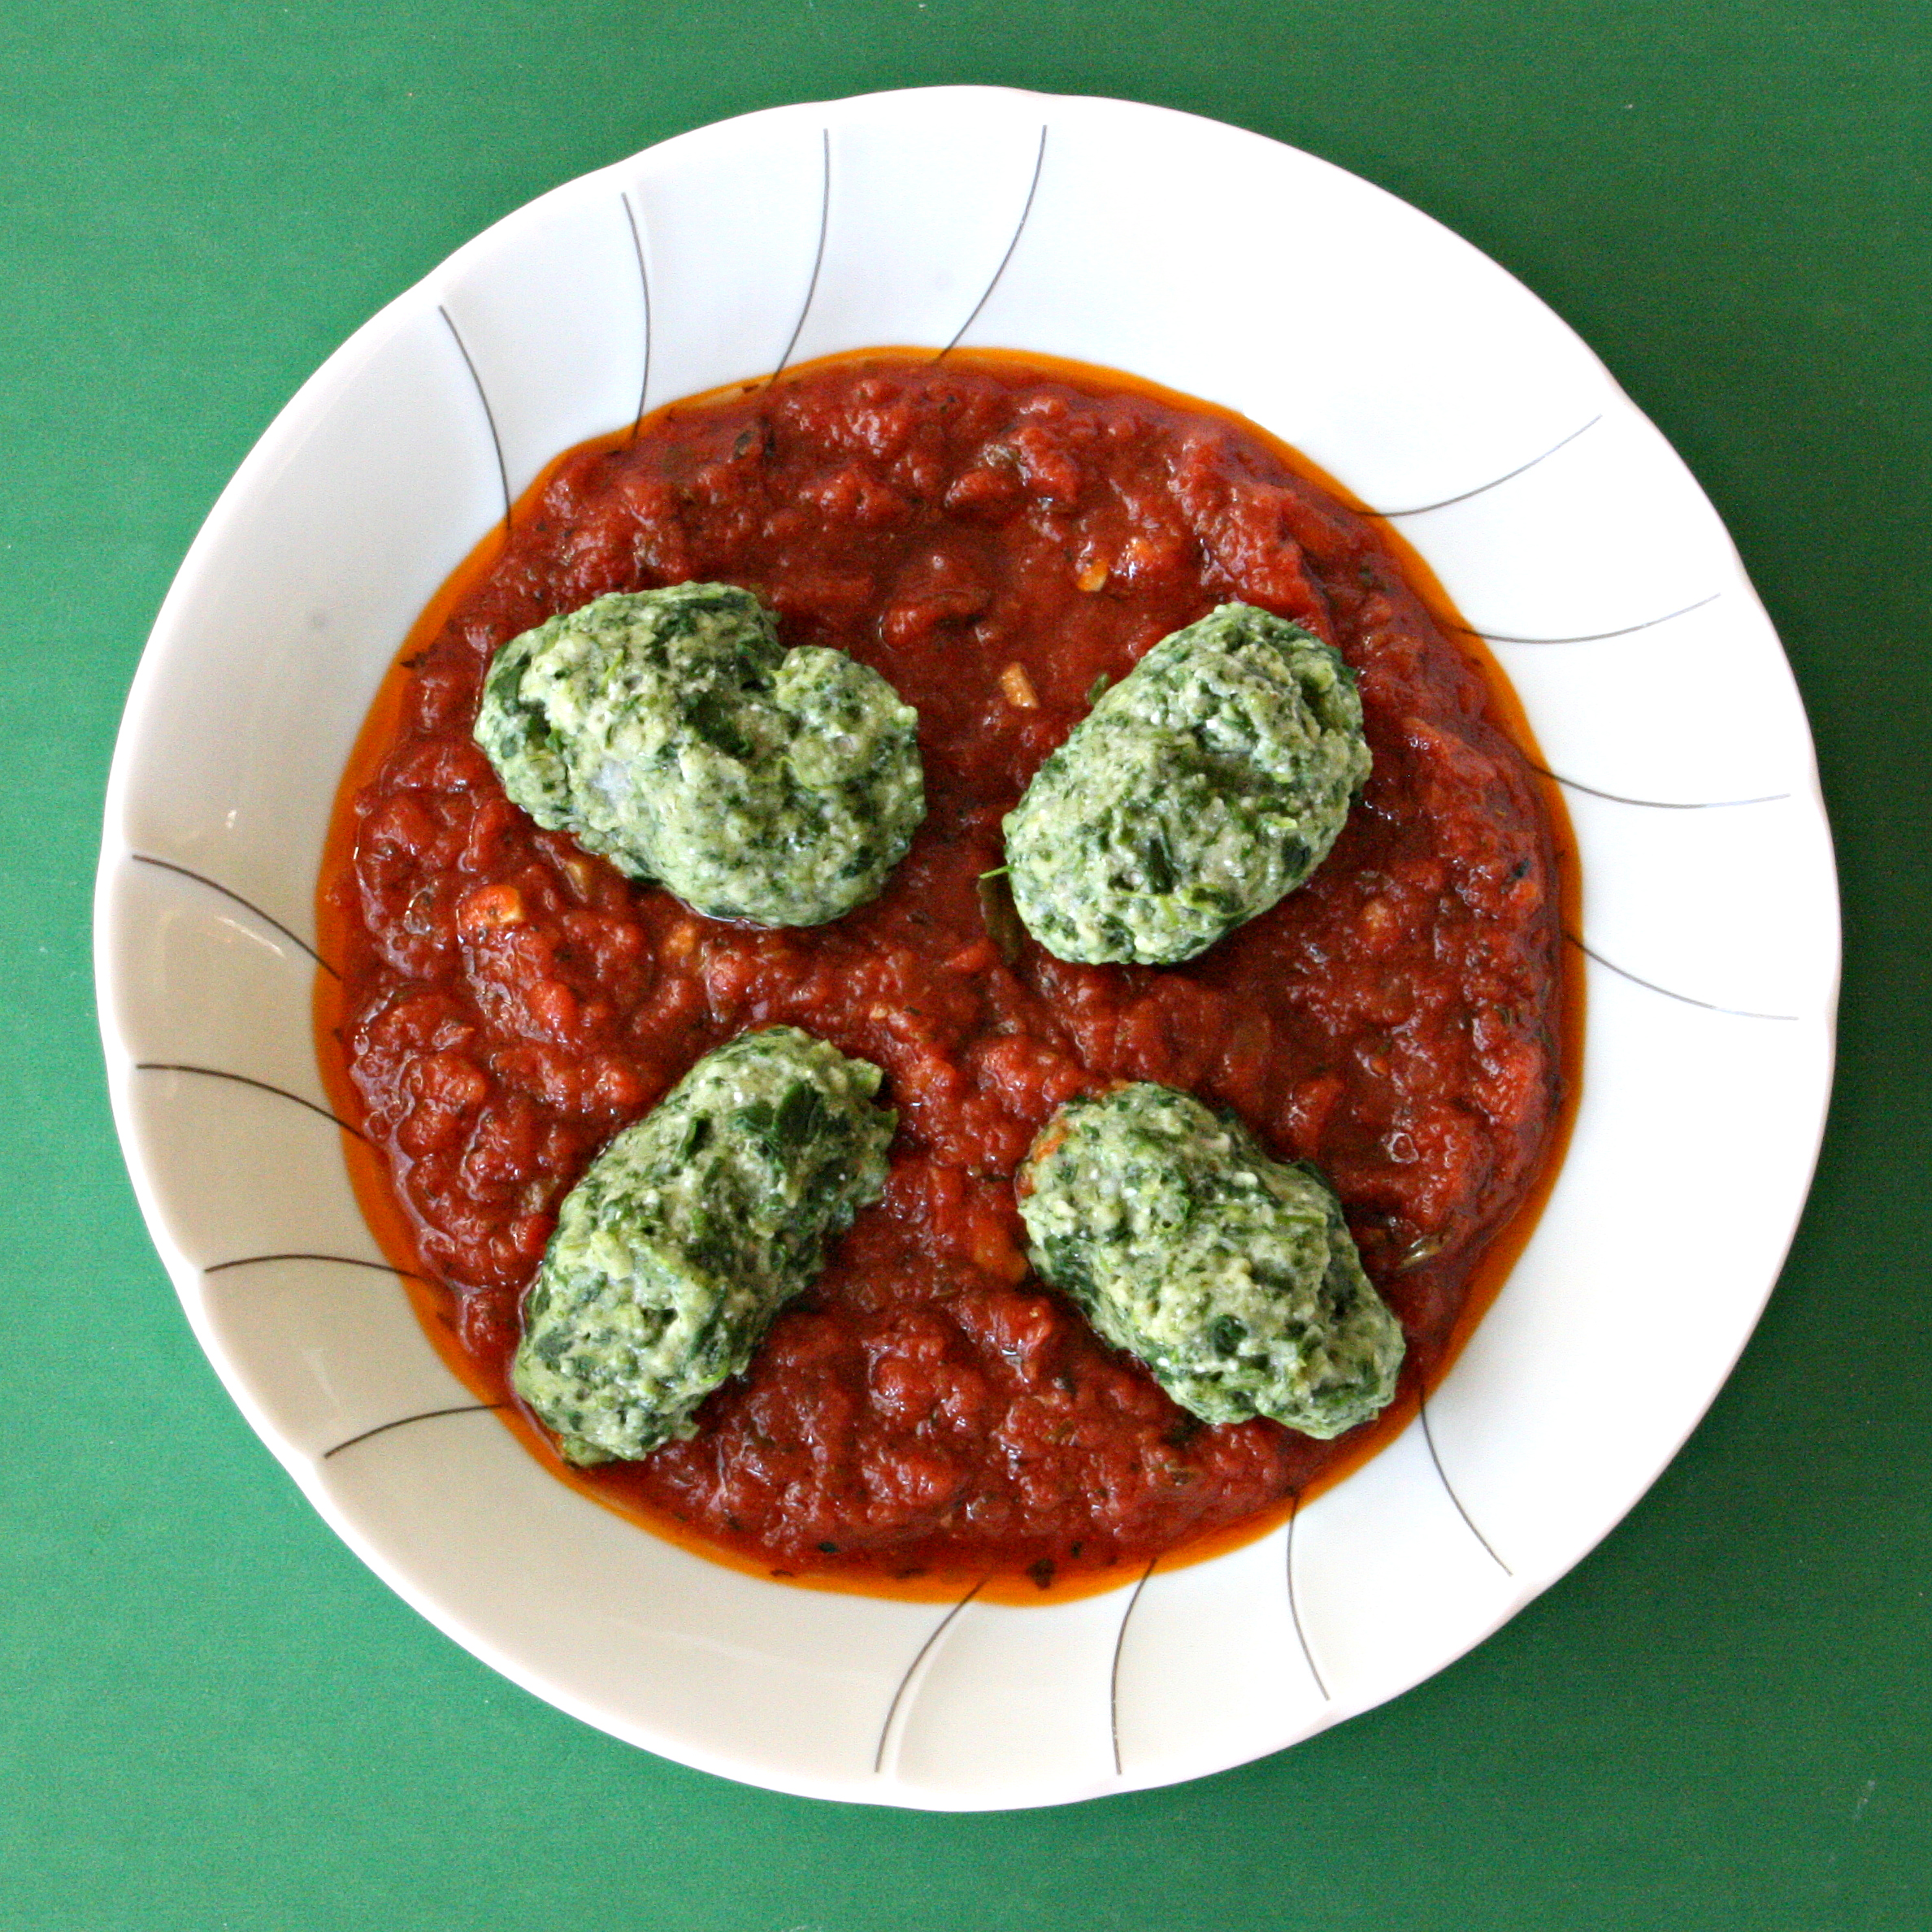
(280, 446)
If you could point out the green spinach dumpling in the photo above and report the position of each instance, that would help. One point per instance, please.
(670, 731)
(690, 1232)
(1210, 781)
(1232, 1276)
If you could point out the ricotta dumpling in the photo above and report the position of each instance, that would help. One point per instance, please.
(670, 731)
(1231, 1276)
(690, 1232)
(1205, 786)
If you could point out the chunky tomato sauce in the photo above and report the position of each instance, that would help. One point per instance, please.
(994, 536)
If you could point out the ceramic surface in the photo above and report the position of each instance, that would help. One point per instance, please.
(1564, 529)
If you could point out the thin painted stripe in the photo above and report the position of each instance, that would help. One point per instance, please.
(1659, 805)
(1039, 160)
(1649, 623)
(217, 1073)
(1308, 1655)
(1120, 1640)
(1495, 482)
(1739, 1013)
(818, 259)
(215, 885)
(402, 1421)
(345, 1261)
(644, 285)
(1449, 1490)
(911, 1670)
(489, 415)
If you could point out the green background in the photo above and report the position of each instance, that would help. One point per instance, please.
(211, 1716)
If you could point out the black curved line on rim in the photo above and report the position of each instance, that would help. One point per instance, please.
(489, 415)
(911, 1670)
(1120, 1640)
(1449, 1490)
(346, 1261)
(217, 1073)
(1657, 804)
(644, 285)
(402, 1421)
(1039, 161)
(818, 259)
(294, 939)
(1649, 623)
(1308, 1655)
(1739, 1013)
(1483, 488)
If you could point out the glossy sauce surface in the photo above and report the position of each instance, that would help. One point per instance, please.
(993, 537)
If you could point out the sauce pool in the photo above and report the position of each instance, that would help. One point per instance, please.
(995, 535)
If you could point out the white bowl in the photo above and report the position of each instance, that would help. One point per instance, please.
(1217, 263)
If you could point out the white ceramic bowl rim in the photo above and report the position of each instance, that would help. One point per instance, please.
(1563, 528)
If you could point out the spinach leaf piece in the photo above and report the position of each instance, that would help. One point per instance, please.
(690, 1232)
(1205, 786)
(670, 731)
(1232, 1276)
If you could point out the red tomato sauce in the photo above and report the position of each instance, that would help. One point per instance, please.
(993, 535)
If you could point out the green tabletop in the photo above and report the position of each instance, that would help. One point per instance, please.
(212, 1717)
